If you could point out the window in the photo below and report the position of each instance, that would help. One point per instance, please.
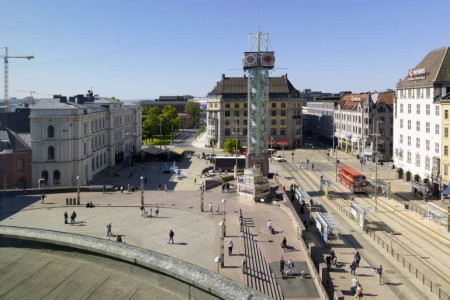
(427, 92)
(409, 108)
(417, 125)
(283, 122)
(417, 142)
(401, 123)
(273, 113)
(437, 110)
(445, 150)
(427, 145)
(409, 124)
(56, 177)
(283, 104)
(427, 163)
(427, 109)
(236, 105)
(401, 138)
(20, 164)
(227, 113)
(236, 113)
(409, 140)
(273, 122)
(283, 113)
(245, 123)
(446, 114)
(409, 93)
(50, 131)
(437, 129)
(401, 108)
(282, 131)
(2, 164)
(273, 131)
(227, 131)
(417, 159)
(274, 105)
(44, 175)
(446, 132)
(408, 157)
(436, 147)
(427, 127)
(245, 105)
(245, 113)
(418, 109)
(445, 169)
(51, 153)
(227, 105)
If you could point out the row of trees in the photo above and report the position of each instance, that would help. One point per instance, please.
(158, 122)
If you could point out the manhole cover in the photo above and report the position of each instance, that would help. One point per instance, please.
(390, 272)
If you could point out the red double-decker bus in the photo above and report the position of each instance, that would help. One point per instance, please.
(354, 180)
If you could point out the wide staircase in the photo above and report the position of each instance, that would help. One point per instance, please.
(258, 274)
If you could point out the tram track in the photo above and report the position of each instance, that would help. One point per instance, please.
(409, 249)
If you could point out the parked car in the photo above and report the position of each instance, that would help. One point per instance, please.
(277, 157)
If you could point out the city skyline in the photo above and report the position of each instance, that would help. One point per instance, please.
(145, 49)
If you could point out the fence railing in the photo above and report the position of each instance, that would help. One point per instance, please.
(433, 287)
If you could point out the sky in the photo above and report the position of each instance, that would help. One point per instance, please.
(139, 49)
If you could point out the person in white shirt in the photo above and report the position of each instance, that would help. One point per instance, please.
(354, 284)
(269, 226)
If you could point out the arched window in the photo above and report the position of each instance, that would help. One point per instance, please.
(50, 131)
(44, 175)
(51, 153)
(56, 177)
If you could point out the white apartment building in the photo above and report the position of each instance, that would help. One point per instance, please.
(80, 138)
(417, 121)
(358, 117)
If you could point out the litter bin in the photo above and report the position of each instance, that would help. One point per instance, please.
(406, 205)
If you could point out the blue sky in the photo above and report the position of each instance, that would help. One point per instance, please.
(144, 49)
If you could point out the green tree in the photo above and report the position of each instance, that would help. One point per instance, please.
(150, 122)
(230, 145)
(193, 109)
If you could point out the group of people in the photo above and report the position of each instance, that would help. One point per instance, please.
(289, 264)
(149, 213)
(90, 205)
(331, 259)
(72, 218)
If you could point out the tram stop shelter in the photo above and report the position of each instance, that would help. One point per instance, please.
(326, 226)
(359, 213)
(383, 186)
(325, 185)
(439, 215)
(302, 195)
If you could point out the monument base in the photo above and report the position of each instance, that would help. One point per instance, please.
(258, 162)
(253, 185)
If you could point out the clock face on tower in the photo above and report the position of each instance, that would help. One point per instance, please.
(250, 60)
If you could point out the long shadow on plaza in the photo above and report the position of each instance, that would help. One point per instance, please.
(11, 205)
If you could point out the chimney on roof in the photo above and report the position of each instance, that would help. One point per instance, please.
(80, 99)
(223, 76)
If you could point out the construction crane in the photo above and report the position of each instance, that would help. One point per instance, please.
(31, 95)
(5, 84)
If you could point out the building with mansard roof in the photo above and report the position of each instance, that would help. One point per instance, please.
(418, 129)
(227, 112)
(80, 137)
(358, 118)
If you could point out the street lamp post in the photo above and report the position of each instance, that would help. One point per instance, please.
(282, 162)
(78, 189)
(224, 218)
(142, 190)
(201, 197)
(236, 153)
(222, 244)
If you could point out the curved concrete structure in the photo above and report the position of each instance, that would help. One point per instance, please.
(190, 281)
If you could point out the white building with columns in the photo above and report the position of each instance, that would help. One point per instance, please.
(418, 118)
(81, 136)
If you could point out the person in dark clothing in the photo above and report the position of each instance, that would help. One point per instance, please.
(328, 262)
(66, 216)
(353, 268)
(357, 258)
(282, 264)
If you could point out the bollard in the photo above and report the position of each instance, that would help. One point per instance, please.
(67, 201)
(244, 267)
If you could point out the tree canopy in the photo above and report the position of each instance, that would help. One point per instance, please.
(193, 109)
(230, 145)
(156, 121)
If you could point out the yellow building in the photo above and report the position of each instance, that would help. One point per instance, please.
(445, 159)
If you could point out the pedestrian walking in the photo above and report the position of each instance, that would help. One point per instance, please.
(156, 211)
(128, 188)
(284, 244)
(142, 209)
(269, 226)
(73, 217)
(379, 272)
(108, 229)
(282, 264)
(210, 206)
(43, 197)
(66, 216)
(171, 235)
(104, 189)
(353, 268)
(332, 254)
(230, 247)
(357, 258)
(228, 187)
(290, 266)
(158, 186)
(354, 285)
(165, 187)
(328, 262)
(359, 292)
(312, 166)
(121, 188)
(150, 212)
(195, 180)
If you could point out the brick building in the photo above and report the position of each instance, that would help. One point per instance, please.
(15, 161)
